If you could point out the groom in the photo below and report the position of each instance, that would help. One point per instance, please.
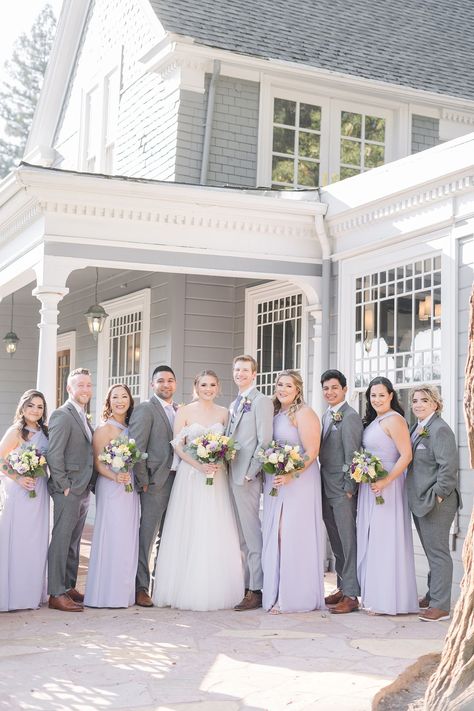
(251, 426)
(151, 426)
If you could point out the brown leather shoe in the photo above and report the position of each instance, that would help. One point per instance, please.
(423, 603)
(143, 599)
(251, 601)
(75, 595)
(347, 604)
(434, 614)
(64, 603)
(334, 598)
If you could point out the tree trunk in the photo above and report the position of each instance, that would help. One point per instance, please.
(451, 688)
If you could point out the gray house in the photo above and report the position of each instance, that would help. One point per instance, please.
(247, 176)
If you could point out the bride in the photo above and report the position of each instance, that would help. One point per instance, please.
(199, 564)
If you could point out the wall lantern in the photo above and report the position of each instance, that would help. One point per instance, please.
(96, 315)
(11, 339)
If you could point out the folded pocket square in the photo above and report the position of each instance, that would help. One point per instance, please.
(421, 446)
(334, 428)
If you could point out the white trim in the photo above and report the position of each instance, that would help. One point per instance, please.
(266, 292)
(67, 341)
(398, 256)
(117, 307)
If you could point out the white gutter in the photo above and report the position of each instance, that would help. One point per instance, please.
(323, 238)
(206, 147)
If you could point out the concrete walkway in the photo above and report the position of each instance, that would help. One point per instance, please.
(160, 660)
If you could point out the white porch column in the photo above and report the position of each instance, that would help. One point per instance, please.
(49, 296)
(315, 312)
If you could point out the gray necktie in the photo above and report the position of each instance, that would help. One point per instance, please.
(327, 422)
(86, 425)
(170, 414)
(236, 406)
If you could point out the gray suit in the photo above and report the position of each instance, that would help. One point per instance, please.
(252, 430)
(151, 429)
(433, 472)
(339, 441)
(70, 462)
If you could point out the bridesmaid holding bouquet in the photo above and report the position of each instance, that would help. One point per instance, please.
(24, 519)
(114, 551)
(293, 539)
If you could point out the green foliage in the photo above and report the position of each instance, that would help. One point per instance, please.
(20, 91)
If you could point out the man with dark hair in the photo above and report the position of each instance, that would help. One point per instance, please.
(341, 436)
(151, 426)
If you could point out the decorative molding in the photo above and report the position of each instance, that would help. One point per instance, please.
(30, 212)
(458, 116)
(400, 206)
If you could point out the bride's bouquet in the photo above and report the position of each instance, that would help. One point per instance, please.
(212, 448)
(366, 468)
(281, 459)
(120, 454)
(28, 460)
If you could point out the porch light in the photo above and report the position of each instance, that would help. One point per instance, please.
(368, 327)
(96, 314)
(11, 339)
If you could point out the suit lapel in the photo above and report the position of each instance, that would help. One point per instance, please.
(418, 437)
(161, 412)
(251, 396)
(77, 417)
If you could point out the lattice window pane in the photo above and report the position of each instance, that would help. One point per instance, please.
(125, 350)
(279, 339)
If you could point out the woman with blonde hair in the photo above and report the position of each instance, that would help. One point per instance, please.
(433, 496)
(199, 565)
(293, 538)
(24, 520)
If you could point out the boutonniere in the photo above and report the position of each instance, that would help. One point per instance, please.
(337, 416)
(246, 405)
(423, 432)
(89, 417)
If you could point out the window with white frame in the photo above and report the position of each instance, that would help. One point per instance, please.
(398, 325)
(274, 323)
(123, 349)
(316, 140)
(296, 149)
(101, 104)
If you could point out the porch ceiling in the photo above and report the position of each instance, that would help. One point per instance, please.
(143, 224)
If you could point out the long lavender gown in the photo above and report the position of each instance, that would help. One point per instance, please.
(293, 568)
(385, 560)
(114, 551)
(24, 532)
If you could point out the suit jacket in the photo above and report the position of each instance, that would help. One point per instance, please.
(70, 459)
(150, 428)
(252, 430)
(337, 448)
(433, 470)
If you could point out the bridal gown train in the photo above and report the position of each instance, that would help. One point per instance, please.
(199, 564)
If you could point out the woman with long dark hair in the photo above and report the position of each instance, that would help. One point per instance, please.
(385, 560)
(114, 551)
(24, 520)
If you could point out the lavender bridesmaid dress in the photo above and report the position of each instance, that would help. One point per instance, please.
(385, 559)
(114, 551)
(24, 533)
(293, 567)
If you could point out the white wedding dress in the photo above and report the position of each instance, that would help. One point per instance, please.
(199, 564)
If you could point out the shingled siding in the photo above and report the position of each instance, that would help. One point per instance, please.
(233, 154)
(424, 133)
(189, 136)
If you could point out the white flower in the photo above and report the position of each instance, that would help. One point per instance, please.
(201, 451)
(273, 458)
(117, 463)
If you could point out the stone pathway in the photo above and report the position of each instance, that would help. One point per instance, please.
(165, 660)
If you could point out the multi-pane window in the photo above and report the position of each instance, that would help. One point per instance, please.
(296, 149)
(100, 123)
(398, 324)
(63, 366)
(125, 350)
(279, 323)
(362, 143)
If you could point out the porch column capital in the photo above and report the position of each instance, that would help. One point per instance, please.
(49, 296)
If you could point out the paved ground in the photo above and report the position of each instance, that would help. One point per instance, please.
(166, 660)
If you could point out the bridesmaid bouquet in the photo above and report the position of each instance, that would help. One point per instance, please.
(120, 454)
(366, 468)
(212, 448)
(280, 459)
(27, 461)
